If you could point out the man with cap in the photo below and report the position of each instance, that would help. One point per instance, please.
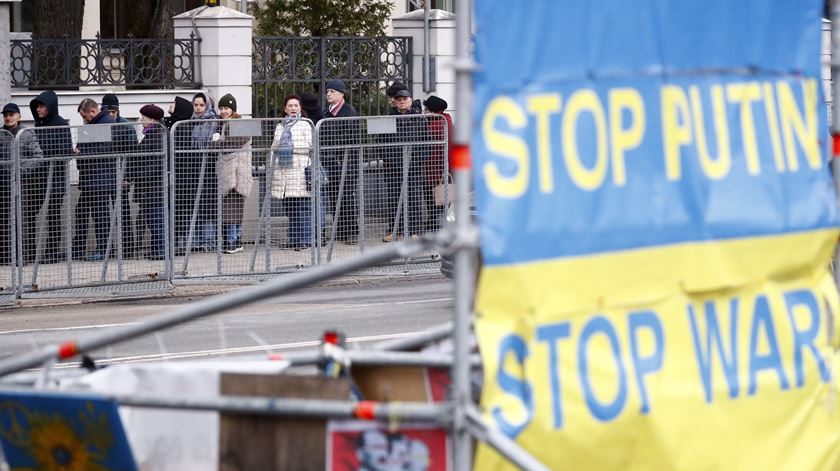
(30, 158)
(125, 141)
(440, 127)
(146, 170)
(341, 164)
(410, 130)
(49, 183)
(391, 92)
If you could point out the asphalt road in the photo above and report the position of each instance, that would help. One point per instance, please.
(365, 313)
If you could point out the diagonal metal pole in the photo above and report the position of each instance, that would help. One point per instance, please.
(500, 442)
(218, 304)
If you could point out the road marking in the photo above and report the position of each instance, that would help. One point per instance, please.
(223, 351)
(59, 329)
(325, 307)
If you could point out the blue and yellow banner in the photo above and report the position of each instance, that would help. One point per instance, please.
(657, 216)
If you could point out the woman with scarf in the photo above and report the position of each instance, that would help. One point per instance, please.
(204, 229)
(233, 166)
(290, 149)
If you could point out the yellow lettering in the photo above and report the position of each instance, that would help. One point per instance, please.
(587, 179)
(714, 168)
(773, 126)
(542, 106)
(676, 128)
(622, 139)
(505, 145)
(745, 94)
(804, 125)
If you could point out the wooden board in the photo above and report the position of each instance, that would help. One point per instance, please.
(252, 442)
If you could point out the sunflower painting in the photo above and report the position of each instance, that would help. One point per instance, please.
(51, 432)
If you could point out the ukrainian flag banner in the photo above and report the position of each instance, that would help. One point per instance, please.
(657, 216)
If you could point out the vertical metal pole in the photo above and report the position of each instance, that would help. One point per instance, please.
(835, 112)
(464, 258)
(427, 42)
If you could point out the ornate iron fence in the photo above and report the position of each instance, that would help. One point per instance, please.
(285, 65)
(133, 63)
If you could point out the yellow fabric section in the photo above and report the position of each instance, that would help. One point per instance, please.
(765, 414)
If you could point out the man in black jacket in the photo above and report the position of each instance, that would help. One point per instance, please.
(125, 141)
(341, 159)
(49, 183)
(186, 187)
(97, 181)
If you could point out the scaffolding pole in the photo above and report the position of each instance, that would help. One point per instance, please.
(835, 114)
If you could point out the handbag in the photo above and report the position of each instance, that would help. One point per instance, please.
(442, 194)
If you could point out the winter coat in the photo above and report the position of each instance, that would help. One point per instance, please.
(56, 143)
(146, 168)
(203, 127)
(233, 164)
(435, 169)
(343, 133)
(290, 182)
(98, 173)
(31, 155)
(410, 131)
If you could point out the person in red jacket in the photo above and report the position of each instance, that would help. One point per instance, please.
(436, 173)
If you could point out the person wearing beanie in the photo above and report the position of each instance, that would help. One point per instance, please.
(227, 101)
(342, 133)
(437, 173)
(392, 91)
(147, 171)
(125, 140)
(205, 124)
(233, 168)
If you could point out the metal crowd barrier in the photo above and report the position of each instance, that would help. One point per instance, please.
(112, 204)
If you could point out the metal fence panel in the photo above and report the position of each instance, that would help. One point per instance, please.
(106, 229)
(241, 204)
(387, 178)
(8, 228)
(284, 65)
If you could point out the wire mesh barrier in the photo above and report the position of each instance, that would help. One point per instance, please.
(384, 178)
(91, 205)
(109, 204)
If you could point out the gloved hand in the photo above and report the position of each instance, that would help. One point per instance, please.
(216, 137)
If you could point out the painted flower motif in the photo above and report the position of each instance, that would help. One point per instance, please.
(56, 447)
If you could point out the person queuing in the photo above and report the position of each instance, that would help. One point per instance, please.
(207, 198)
(97, 185)
(290, 148)
(438, 172)
(125, 140)
(233, 167)
(146, 171)
(341, 162)
(185, 165)
(48, 183)
(403, 184)
(31, 158)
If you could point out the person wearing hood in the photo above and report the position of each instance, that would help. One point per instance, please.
(185, 167)
(125, 141)
(233, 166)
(310, 107)
(207, 198)
(31, 158)
(97, 184)
(48, 183)
(147, 171)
